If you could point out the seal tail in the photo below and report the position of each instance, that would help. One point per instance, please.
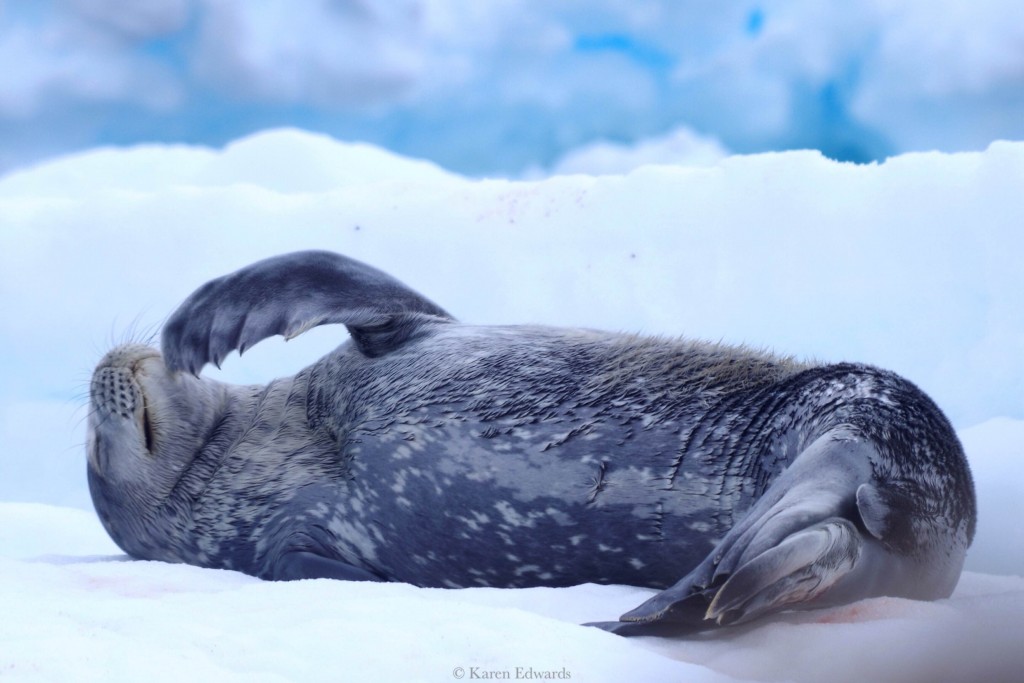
(288, 295)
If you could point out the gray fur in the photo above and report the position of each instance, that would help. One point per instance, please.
(443, 454)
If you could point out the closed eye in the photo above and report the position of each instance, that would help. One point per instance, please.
(147, 426)
(148, 432)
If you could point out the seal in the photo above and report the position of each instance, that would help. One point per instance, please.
(426, 451)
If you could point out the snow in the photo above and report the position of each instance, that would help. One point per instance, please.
(994, 448)
(74, 609)
(912, 264)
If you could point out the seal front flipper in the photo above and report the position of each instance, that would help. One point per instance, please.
(288, 295)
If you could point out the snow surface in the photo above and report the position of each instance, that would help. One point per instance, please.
(914, 264)
(75, 609)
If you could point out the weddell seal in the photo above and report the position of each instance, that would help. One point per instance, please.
(430, 452)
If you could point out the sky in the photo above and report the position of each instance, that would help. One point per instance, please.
(507, 87)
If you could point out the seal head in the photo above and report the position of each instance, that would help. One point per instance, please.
(145, 427)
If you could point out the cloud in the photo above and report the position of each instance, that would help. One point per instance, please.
(680, 147)
(68, 62)
(139, 19)
(499, 86)
(319, 53)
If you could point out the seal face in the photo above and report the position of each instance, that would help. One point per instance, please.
(440, 454)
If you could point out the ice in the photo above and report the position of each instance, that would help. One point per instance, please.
(913, 264)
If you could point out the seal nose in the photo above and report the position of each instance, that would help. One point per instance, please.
(114, 390)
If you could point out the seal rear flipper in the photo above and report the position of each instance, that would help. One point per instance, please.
(681, 611)
(288, 295)
(304, 564)
(792, 548)
(798, 571)
(661, 629)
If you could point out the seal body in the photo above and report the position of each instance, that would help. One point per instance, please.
(441, 454)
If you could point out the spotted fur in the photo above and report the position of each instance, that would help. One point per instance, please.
(442, 454)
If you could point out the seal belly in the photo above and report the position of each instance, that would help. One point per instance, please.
(462, 504)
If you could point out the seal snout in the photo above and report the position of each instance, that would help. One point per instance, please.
(117, 397)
